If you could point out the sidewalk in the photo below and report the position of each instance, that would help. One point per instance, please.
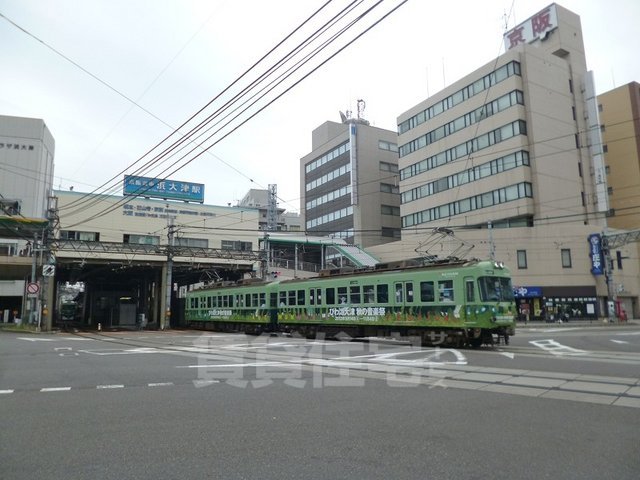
(579, 323)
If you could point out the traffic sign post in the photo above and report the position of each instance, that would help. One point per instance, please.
(33, 288)
(48, 270)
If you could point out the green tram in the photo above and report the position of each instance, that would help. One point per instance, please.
(462, 303)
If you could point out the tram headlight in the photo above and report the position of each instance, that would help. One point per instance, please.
(498, 264)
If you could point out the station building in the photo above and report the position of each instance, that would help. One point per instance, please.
(510, 159)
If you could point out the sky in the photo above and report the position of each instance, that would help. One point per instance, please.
(113, 78)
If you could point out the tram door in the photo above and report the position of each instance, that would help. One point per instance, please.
(469, 295)
(403, 296)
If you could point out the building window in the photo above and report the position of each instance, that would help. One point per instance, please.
(389, 210)
(388, 167)
(236, 245)
(605, 148)
(192, 242)
(565, 253)
(607, 169)
(141, 239)
(391, 232)
(602, 128)
(610, 190)
(600, 107)
(388, 188)
(383, 145)
(80, 236)
(522, 259)
(573, 112)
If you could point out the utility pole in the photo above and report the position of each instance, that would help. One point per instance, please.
(608, 276)
(165, 321)
(492, 246)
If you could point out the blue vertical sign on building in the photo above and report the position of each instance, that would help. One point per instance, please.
(595, 252)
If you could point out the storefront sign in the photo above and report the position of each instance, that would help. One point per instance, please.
(165, 189)
(527, 292)
(595, 252)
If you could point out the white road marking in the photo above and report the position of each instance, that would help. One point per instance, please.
(4, 392)
(508, 355)
(36, 339)
(102, 387)
(229, 365)
(55, 389)
(115, 351)
(160, 384)
(556, 348)
(57, 349)
(618, 341)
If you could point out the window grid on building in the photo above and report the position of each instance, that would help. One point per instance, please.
(500, 104)
(328, 197)
(328, 177)
(494, 167)
(327, 157)
(476, 202)
(510, 130)
(330, 217)
(493, 78)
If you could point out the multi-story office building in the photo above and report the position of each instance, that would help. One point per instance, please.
(620, 126)
(509, 158)
(348, 183)
(26, 176)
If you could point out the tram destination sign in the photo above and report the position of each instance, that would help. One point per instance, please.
(163, 188)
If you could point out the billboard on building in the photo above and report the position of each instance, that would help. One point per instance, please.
(164, 189)
(532, 29)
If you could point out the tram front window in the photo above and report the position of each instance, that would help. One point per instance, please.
(495, 289)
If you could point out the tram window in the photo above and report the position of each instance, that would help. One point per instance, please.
(239, 300)
(247, 300)
(292, 297)
(193, 302)
(342, 295)
(399, 296)
(209, 302)
(216, 302)
(470, 290)
(426, 292)
(301, 297)
(202, 302)
(369, 294)
(283, 299)
(445, 291)
(262, 301)
(273, 299)
(383, 293)
(408, 287)
(330, 295)
(354, 294)
(315, 294)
